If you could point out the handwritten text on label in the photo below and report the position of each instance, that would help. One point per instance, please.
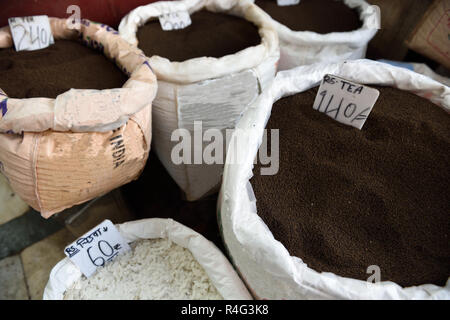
(345, 101)
(96, 247)
(31, 33)
(283, 3)
(175, 20)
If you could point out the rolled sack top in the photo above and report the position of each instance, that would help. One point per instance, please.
(203, 68)
(307, 47)
(264, 263)
(83, 110)
(369, 17)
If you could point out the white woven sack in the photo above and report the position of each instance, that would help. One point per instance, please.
(219, 270)
(215, 91)
(421, 68)
(307, 47)
(263, 262)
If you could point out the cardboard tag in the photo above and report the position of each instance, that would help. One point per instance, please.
(283, 3)
(175, 20)
(31, 33)
(345, 101)
(95, 248)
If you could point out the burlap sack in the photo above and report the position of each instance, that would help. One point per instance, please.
(263, 262)
(431, 35)
(306, 47)
(215, 91)
(60, 152)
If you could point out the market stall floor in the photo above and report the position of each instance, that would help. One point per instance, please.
(31, 246)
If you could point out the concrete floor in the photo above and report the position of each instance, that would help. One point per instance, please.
(31, 246)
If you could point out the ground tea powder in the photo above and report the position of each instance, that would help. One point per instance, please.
(210, 34)
(321, 16)
(345, 199)
(51, 71)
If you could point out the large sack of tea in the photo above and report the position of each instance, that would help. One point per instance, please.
(301, 47)
(213, 90)
(60, 152)
(263, 261)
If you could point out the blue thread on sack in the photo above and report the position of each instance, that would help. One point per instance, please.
(3, 107)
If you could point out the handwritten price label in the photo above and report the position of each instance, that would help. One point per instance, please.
(345, 101)
(175, 20)
(283, 3)
(96, 247)
(31, 33)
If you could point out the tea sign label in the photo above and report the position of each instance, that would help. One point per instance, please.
(95, 248)
(345, 101)
(175, 20)
(31, 33)
(283, 3)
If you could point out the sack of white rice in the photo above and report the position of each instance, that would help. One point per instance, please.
(211, 72)
(168, 261)
(312, 31)
(61, 146)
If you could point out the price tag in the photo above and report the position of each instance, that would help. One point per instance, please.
(345, 101)
(283, 3)
(31, 33)
(95, 248)
(175, 20)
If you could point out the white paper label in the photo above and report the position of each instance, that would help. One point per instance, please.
(31, 33)
(283, 3)
(97, 247)
(175, 20)
(345, 101)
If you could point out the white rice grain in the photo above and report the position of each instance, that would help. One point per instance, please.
(153, 270)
